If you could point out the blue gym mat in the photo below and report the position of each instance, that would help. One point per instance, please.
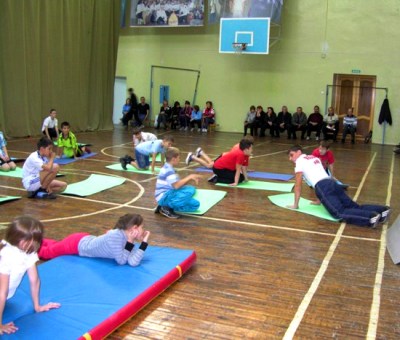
(64, 160)
(259, 174)
(96, 295)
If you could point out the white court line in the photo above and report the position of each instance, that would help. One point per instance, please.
(290, 332)
(376, 298)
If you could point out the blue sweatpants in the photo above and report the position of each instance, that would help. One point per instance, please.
(180, 199)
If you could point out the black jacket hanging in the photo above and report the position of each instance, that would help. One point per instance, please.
(385, 115)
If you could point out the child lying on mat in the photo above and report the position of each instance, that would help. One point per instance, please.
(18, 254)
(67, 143)
(117, 244)
(172, 193)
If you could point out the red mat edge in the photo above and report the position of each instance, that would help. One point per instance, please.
(125, 313)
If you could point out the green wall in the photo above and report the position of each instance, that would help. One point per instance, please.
(359, 34)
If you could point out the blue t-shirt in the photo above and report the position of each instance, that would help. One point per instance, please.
(150, 147)
(3, 143)
(165, 179)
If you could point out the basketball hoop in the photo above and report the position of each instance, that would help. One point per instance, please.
(239, 47)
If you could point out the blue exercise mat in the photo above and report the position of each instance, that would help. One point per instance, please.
(259, 174)
(96, 295)
(68, 160)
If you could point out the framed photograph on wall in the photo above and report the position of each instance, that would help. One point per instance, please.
(167, 13)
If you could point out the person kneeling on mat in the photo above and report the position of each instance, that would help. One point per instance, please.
(117, 244)
(39, 172)
(331, 194)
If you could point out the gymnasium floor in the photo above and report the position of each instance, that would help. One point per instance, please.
(263, 272)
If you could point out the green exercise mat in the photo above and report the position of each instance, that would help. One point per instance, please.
(158, 157)
(14, 173)
(93, 185)
(207, 199)
(130, 168)
(261, 185)
(4, 199)
(305, 206)
(17, 173)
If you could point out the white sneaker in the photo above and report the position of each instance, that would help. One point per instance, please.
(373, 222)
(189, 158)
(308, 138)
(192, 129)
(317, 138)
(198, 152)
(204, 130)
(198, 130)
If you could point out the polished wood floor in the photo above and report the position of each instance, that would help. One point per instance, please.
(262, 272)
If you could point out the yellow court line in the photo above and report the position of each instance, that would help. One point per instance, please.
(290, 332)
(376, 297)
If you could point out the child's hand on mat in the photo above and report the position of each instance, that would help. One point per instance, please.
(293, 206)
(47, 307)
(8, 328)
(233, 184)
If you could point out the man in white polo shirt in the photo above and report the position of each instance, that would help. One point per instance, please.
(331, 194)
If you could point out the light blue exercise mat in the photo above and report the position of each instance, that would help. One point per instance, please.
(5, 199)
(261, 185)
(305, 206)
(207, 199)
(93, 185)
(130, 168)
(17, 173)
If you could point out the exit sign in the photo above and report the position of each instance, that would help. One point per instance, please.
(356, 71)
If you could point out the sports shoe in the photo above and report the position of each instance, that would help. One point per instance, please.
(192, 129)
(157, 209)
(88, 150)
(213, 179)
(316, 138)
(385, 215)
(308, 138)
(198, 130)
(373, 222)
(45, 195)
(168, 212)
(204, 130)
(198, 152)
(122, 160)
(189, 158)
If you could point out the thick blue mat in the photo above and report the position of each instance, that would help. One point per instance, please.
(94, 293)
(259, 174)
(65, 160)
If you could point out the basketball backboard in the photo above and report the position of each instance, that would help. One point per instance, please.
(254, 32)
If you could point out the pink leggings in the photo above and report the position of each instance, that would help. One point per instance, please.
(68, 246)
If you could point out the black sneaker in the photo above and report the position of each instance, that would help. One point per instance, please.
(167, 212)
(385, 215)
(373, 222)
(32, 194)
(213, 179)
(198, 152)
(157, 209)
(45, 195)
(189, 158)
(123, 163)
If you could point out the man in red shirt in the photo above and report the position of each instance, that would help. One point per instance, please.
(230, 167)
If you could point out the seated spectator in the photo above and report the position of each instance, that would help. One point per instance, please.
(196, 118)
(164, 115)
(314, 123)
(249, 120)
(175, 111)
(284, 122)
(185, 116)
(330, 125)
(143, 111)
(208, 116)
(270, 121)
(299, 123)
(6, 164)
(349, 126)
(259, 122)
(126, 108)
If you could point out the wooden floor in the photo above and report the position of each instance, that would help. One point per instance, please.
(263, 272)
